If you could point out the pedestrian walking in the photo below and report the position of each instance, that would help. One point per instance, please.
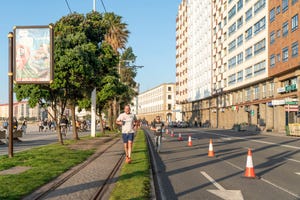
(24, 127)
(128, 121)
(157, 126)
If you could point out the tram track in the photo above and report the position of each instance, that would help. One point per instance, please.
(101, 189)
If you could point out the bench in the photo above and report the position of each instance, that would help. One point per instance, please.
(16, 134)
(3, 135)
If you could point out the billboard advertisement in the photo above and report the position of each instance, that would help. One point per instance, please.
(33, 54)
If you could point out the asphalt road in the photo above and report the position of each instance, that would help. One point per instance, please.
(34, 138)
(186, 172)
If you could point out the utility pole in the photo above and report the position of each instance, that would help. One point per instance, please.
(93, 99)
(10, 95)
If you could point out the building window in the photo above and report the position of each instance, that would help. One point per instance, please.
(240, 22)
(285, 54)
(272, 37)
(272, 60)
(248, 14)
(248, 72)
(264, 90)
(169, 89)
(295, 49)
(278, 33)
(256, 92)
(231, 79)
(240, 40)
(294, 1)
(248, 34)
(285, 28)
(248, 53)
(232, 29)
(239, 5)
(272, 15)
(231, 46)
(285, 5)
(278, 10)
(260, 25)
(248, 94)
(295, 22)
(232, 62)
(271, 89)
(240, 76)
(259, 5)
(278, 57)
(260, 46)
(240, 58)
(169, 96)
(169, 106)
(231, 12)
(259, 68)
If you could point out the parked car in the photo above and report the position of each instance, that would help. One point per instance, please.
(172, 124)
(183, 124)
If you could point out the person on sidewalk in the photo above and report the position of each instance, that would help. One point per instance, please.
(128, 121)
(157, 126)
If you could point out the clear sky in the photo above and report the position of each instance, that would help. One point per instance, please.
(152, 25)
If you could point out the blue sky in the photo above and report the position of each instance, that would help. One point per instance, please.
(152, 25)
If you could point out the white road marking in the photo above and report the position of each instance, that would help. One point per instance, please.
(258, 141)
(265, 180)
(298, 161)
(222, 192)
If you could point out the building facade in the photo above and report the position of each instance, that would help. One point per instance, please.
(254, 64)
(157, 101)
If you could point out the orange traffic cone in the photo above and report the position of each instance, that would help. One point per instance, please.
(172, 133)
(211, 152)
(190, 141)
(249, 171)
(179, 137)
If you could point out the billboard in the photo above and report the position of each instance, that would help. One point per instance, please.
(33, 54)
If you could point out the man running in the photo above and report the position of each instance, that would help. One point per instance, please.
(128, 121)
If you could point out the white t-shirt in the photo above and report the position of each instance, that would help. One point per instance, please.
(128, 122)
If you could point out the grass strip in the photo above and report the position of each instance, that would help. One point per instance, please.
(134, 178)
(46, 163)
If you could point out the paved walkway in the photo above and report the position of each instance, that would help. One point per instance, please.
(84, 184)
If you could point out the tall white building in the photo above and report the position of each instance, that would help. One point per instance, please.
(181, 53)
(247, 39)
(199, 49)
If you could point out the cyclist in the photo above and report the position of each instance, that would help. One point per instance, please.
(63, 125)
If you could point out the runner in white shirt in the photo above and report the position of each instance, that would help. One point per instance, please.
(128, 121)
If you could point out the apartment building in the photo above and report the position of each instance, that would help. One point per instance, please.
(21, 110)
(193, 56)
(158, 101)
(181, 96)
(284, 60)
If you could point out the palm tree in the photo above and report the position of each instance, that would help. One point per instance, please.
(117, 33)
(117, 36)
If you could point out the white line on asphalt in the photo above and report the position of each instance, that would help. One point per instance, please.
(258, 141)
(298, 161)
(265, 180)
(298, 173)
(212, 181)
(281, 188)
(222, 192)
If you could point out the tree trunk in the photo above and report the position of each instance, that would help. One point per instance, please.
(114, 113)
(74, 129)
(109, 113)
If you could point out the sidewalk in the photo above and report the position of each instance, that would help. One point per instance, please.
(84, 184)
